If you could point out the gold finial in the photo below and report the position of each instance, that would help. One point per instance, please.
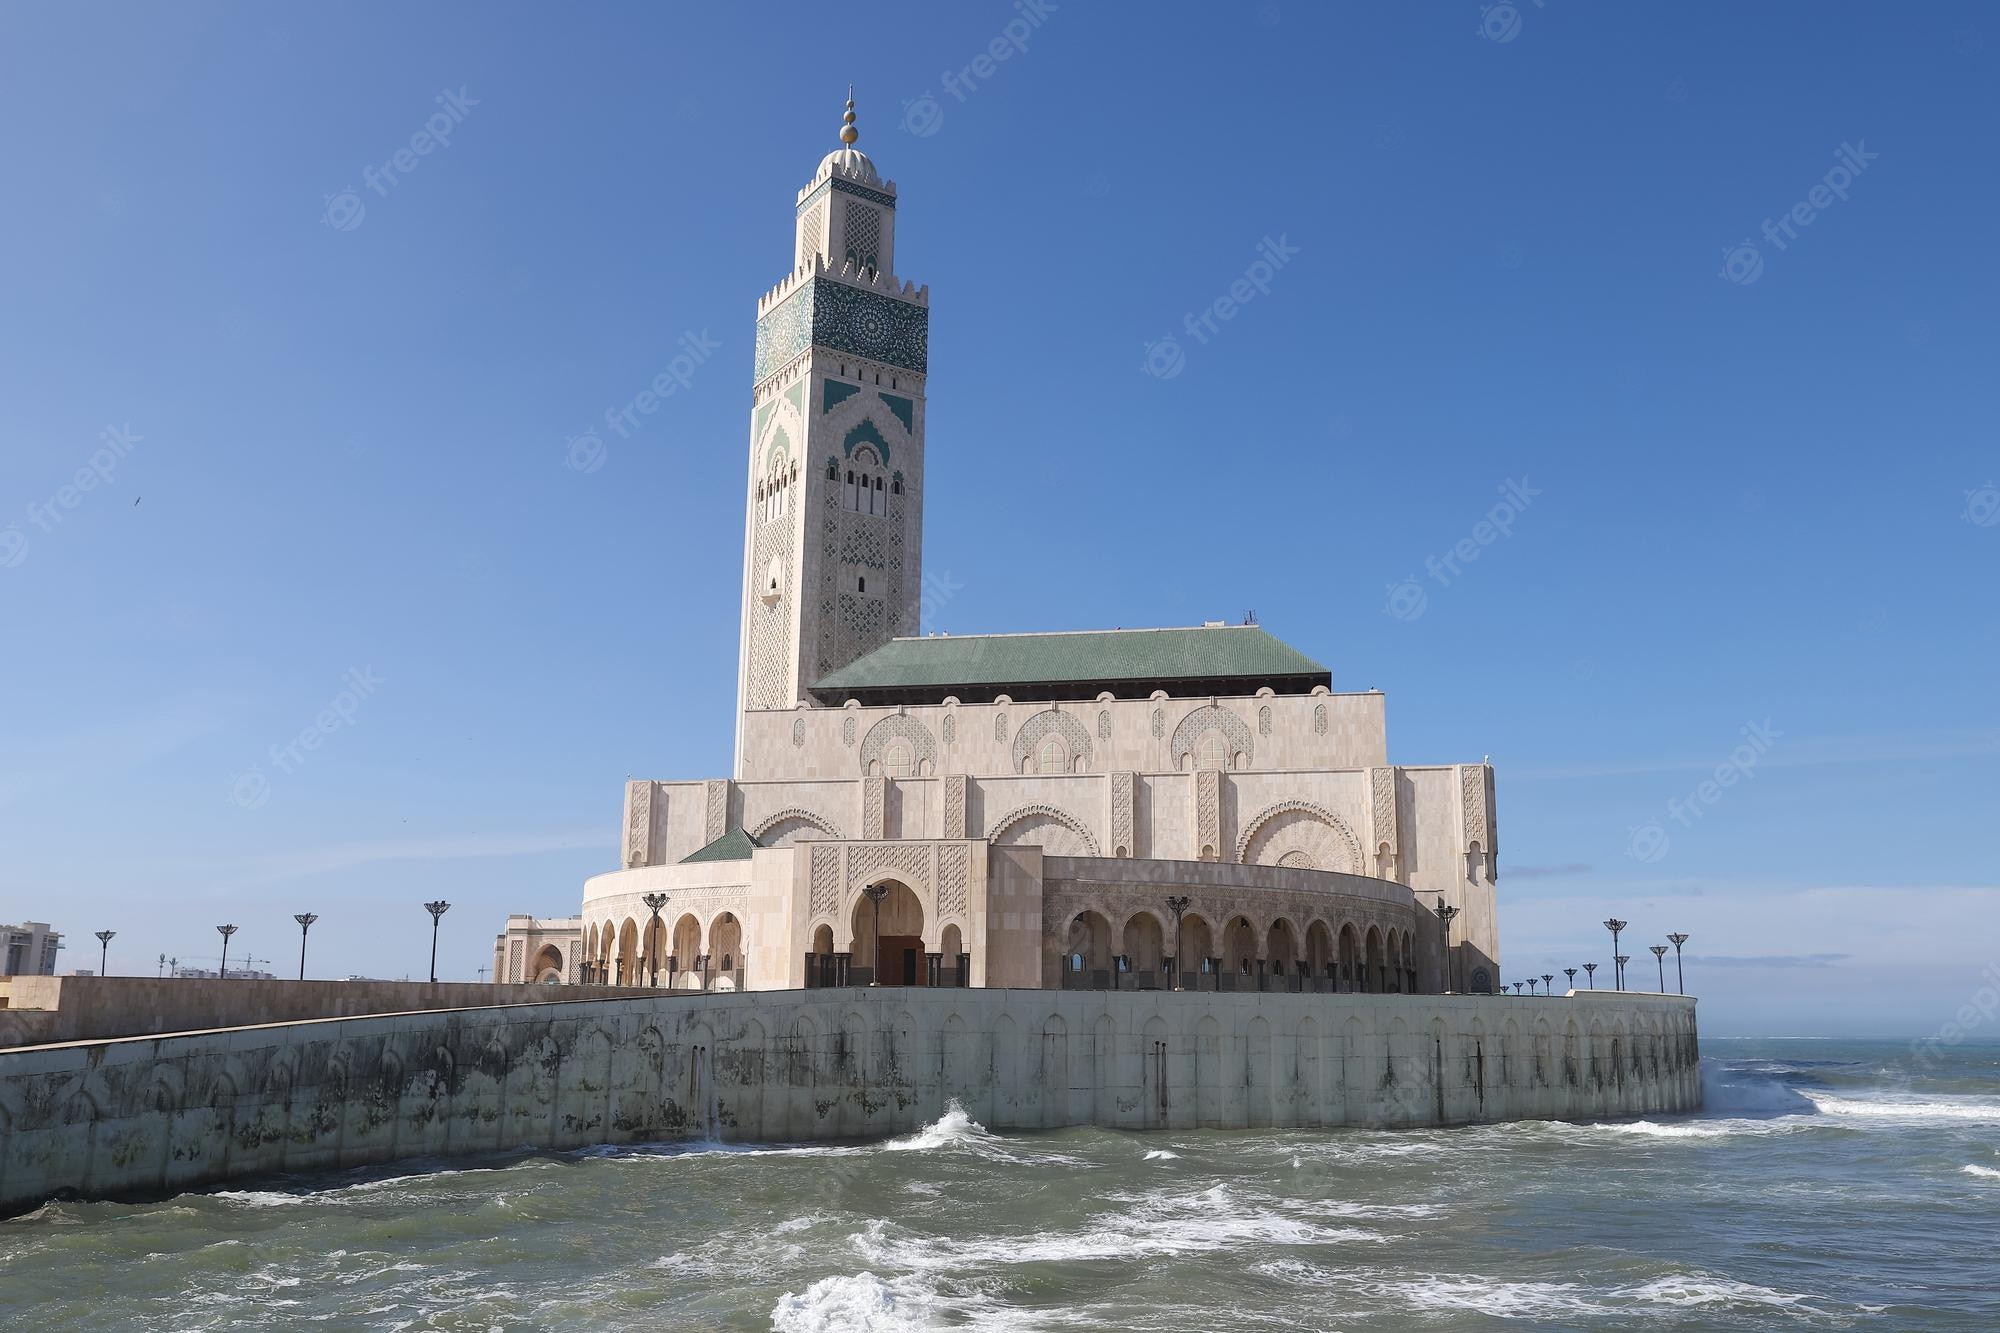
(848, 134)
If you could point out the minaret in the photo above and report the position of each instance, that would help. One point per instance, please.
(833, 533)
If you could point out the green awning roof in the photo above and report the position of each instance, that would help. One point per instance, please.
(1233, 652)
(735, 845)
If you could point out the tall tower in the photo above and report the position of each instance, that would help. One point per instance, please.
(833, 529)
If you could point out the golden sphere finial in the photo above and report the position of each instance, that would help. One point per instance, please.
(848, 134)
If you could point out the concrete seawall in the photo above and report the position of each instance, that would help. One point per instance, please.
(143, 1116)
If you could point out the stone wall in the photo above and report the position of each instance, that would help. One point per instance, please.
(142, 1116)
(38, 1010)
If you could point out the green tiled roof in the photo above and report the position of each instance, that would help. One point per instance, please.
(1222, 651)
(735, 845)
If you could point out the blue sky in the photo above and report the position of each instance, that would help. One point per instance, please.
(336, 443)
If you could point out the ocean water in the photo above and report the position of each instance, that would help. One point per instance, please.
(1827, 1185)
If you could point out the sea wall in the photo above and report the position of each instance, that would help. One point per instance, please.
(37, 1010)
(146, 1115)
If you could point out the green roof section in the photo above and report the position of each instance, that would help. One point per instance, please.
(735, 845)
(1212, 651)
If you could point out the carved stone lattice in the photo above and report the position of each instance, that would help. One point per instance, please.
(1104, 724)
(950, 729)
(1472, 787)
(954, 873)
(1123, 791)
(639, 825)
(1382, 798)
(899, 727)
(825, 881)
(770, 623)
(954, 802)
(1217, 718)
(1264, 720)
(1159, 723)
(798, 731)
(847, 731)
(1207, 811)
(874, 802)
(1051, 721)
(795, 816)
(1319, 719)
(716, 820)
(1300, 826)
(910, 862)
(809, 237)
(1000, 727)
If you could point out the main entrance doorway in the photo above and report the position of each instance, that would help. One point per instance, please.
(900, 925)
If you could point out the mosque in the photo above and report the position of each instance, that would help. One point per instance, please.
(1135, 808)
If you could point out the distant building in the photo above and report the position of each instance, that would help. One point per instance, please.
(31, 950)
(235, 974)
(538, 949)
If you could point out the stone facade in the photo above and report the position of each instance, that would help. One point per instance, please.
(532, 949)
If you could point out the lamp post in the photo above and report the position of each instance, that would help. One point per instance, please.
(437, 911)
(654, 902)
(1614, 925)
(1680, 977)
(1621, 960)
(1570, 972)
(1660, 957)
(163, 965)
(222, 973)
(305, 920)
(1517, 988)
(1177, 904)
(1548, 983)
(1591, 970)
(103, 949)
(875, 893)
(1446, 914)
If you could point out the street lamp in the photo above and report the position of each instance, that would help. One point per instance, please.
(1548, 983)
(1570, 972)
(1531, 985)
(163, 965)
(654, 902)
(437, 911)
(1446, 915)
(1591, 970)
(1517, 988)
(875, 893)
(305, 920)
(1621, 960)
(103, 949)
(1614, 925)
(1177, 903)
(222, 974)
(1660, 957)
(1679, 976)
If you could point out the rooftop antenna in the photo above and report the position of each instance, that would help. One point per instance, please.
(1250, 616)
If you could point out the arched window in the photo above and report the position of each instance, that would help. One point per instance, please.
(1212, 750)
(897, 760)
(852, 497)
(1053, 758)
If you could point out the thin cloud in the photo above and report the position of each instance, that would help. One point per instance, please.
(1768, 960)
(446, 847)
(1786, 752)
(1543, 872)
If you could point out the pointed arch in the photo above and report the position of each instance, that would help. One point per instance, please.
(1051, 722)
(782, 828)
(1214, 717)
(900, 727)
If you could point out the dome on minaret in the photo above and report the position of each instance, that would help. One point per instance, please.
(847, 158)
